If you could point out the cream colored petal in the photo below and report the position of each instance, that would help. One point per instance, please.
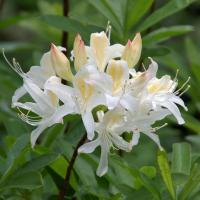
(132, 51)
(99, 44)
(61, 64)
(79, 53)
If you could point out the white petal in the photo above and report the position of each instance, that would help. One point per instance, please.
(89, 147)
(115, 51)
(61, 112)
(178, 101)
(120, 143)
(46, 64)
(18, 94)
(89, 124)
(103, 163)
(129, 102)
(38, 75)
(135, 139)
(111, 101)
(155, 138)
(37, 94)
(63, 92)
(36, 133)
(174, 110)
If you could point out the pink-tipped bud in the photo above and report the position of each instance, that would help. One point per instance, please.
(61, 64)
(132, 51)
(80, 56)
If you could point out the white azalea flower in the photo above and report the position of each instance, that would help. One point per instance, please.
(45, 106)
(89, 88)
(142, 122)
(161, 93)
(100, 51)
(109, 130)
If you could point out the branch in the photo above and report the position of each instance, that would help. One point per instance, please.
(65, 14)
(64, 189)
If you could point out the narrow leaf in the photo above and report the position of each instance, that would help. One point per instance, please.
(30, 180)
(165, 172)
(181, 158)
(165, 33)
(136, 9)
(168, 9)
(192, 182)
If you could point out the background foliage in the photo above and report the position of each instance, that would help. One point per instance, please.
(170, 31)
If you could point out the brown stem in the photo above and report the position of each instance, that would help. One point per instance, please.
(64, 189)
(1, 4)
(65, 14)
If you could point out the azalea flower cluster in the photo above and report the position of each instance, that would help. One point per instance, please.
(103, 76)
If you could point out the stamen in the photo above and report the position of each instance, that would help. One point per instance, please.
(144, 67)
(184, 91)
(15, 66)
(186, 82)
(175, 78)
(159, 127)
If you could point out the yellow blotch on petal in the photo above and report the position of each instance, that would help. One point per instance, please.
(132, 51)
(80, 56)
(164, 84)
(99, 44)
(85, 89)
(61, 64)
(116, 71)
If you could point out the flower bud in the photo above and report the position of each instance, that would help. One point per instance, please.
(132, 51)
(99, 44)
(80, 55)
(61, 64)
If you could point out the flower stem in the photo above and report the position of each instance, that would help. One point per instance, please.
(64, 189)
(65, 14)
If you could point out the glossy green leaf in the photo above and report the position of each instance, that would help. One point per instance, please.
(70, 25)
(30, 180)
(168, 9)
(165, 33)
(155, 51)
(165, 172)
(105, 8)
(181, 158)
(135, 10)
(149, 171)
(37, 163)
(13, 20)
(193, 55)
(192, 182)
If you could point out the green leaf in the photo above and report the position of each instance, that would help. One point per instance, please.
(155, 51)
(168, 9)
(181, 158)
(165, 172)
(105, 8)
(149, 171)
(15, 155)
(37, 163)
(191, 123)
(52, 134)
(165, 33)
(136, 9)
(13, 20)
(30, 180)
(192, 182)
(193, 55)
(70, 25)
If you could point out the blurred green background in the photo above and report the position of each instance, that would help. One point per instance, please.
(170, 32)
